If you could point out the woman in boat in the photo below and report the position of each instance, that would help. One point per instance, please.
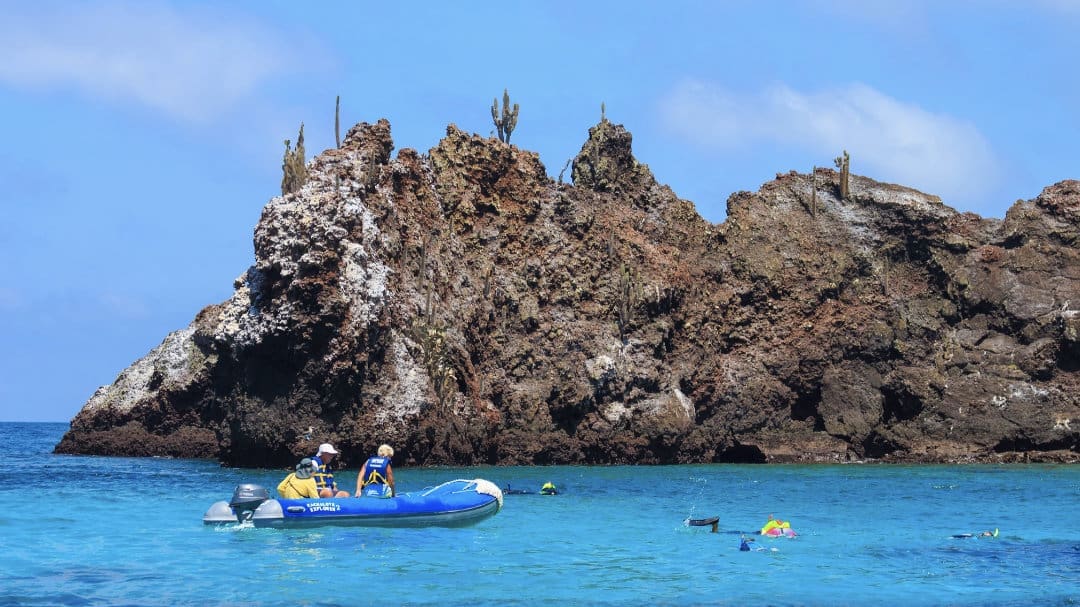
(376, 478)
(300, 484)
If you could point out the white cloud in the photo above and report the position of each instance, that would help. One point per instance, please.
(189, 64)
(888, 140)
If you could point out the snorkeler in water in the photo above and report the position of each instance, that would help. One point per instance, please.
(747, 544)
(964, 536)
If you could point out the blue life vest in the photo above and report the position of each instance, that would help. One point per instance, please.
(375, 484)
(376, 470)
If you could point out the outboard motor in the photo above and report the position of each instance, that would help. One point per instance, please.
(246, 499)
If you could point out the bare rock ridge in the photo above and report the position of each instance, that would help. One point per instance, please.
(468, 309)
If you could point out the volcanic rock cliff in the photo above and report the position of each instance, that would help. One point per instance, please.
(466, 308)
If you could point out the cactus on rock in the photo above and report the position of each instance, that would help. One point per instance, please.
(294, 166)
(505, 121)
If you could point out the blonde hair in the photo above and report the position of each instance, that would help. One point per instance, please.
(386, 451)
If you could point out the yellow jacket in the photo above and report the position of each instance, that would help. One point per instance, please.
(295, 488)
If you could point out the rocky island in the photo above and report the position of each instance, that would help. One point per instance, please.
(468, 308)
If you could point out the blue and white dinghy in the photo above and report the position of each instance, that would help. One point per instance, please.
(454, 503)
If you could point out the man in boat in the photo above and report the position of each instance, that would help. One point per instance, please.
(376, 478)
(300, 484)
(548, 489)
(324, 474)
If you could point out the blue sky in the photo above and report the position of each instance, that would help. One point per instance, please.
(142, 139)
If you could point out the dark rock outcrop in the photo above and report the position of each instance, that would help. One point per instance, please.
(466, 308)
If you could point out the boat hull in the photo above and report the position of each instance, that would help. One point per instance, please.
(452, 504)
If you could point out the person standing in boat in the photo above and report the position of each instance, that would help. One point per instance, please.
(324, 474)
(376, 478)
(300, 484)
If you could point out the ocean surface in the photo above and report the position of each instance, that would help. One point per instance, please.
(119, 531)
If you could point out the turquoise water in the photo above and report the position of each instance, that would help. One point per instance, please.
(119, 531)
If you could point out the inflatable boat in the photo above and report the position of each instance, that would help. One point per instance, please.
(452, 504)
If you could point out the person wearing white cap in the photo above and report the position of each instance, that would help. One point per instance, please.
(324, 474)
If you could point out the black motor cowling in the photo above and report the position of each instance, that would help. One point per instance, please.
(246, 498)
